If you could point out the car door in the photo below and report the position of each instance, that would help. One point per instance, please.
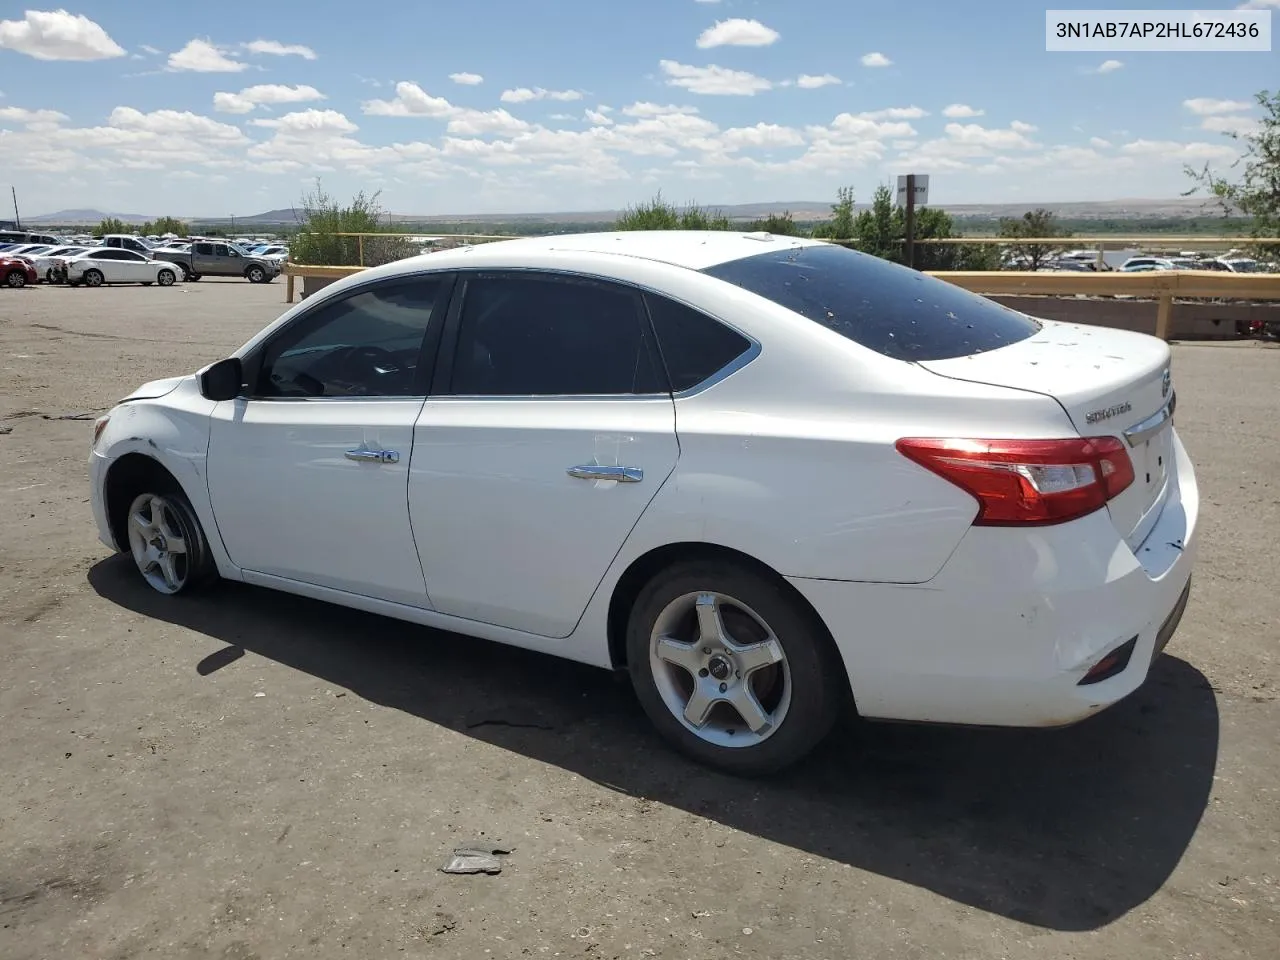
(202, 258)
(134, 267)
(111, 264)
(308, 471)
(226, 262)
(550, 433)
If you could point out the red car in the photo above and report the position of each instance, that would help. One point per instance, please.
(16, 272)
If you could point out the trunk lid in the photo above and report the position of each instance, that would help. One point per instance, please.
(1110, 383)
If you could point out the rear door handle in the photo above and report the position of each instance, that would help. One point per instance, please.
(596, 472)
(373, 456)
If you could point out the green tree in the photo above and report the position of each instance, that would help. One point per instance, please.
(1256, 194)
(778, 224)
(840, 226)
(881, 229)
(111, 225)
(163, 225)
(658, 214)
(1034, 224)
(328, 232)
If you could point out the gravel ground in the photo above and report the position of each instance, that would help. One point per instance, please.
(250, 775)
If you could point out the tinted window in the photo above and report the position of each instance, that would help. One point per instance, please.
(204, 249)
(540, 336)
(364, 345)
(693, 345)
(111, 255)
(130, 255)
(888, 308)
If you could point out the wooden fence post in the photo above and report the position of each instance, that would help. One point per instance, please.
(288, 288)
(1164, 314)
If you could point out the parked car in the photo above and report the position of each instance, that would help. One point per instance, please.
(49, 266)
(104, 265)
(1142, 264)
(767, 476)
(217, 258)
(126, 241)
(16, 272)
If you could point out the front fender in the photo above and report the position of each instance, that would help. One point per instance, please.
(173, 430)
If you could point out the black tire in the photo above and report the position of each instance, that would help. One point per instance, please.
(818, 684)
(48, 277)
(255, 274)
(198, 567)
(194, 276)
(94, 278)
(166, 278)
(15, 279)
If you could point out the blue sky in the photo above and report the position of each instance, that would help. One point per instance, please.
(520, 106)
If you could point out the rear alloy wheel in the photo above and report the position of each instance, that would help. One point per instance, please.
(165, 278)
(167, 543)
(255, 274)
(731, 669)
(15, 279)
(93, 278)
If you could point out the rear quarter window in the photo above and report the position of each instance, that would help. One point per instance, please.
(895, 311)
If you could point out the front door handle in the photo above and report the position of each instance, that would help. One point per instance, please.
(595, 472)
(373, 456)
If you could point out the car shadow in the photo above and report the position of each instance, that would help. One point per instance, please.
(1064, 829)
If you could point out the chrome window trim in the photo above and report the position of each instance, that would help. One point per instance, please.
(1144, 430)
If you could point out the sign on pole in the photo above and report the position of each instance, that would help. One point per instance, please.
(921, 198)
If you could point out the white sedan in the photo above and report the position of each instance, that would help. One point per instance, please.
(768, 477)
(101, 265)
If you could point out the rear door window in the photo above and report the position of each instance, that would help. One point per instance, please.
(888, 308)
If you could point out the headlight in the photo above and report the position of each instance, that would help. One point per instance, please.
(98, 426)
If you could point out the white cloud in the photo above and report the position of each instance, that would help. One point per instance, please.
(1021, 127)
(961, 111)
(808, 81)
(713, 80)
(308, 123)
(876, 59)
(410, 101)
(147, 48)
(895, 113)
(251, 97)
(467, 79)
(1099, 143)
(872, 127)
(1109, 66)
(1229, 124)
(598, 118)
(174, 123)
(644, 108)
(474, 123)
(1167, 150)
(1247, 5)
(58, 35)
(762, 135)
(737, 33)
(1205, 106)
(32, 119)
(277, 49)
(201, 56)
(527, 94)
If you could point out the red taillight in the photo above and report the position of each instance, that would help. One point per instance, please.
(1028, 481)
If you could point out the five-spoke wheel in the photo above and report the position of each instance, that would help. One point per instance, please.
(732, 667)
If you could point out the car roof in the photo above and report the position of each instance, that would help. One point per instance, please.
(692, 249)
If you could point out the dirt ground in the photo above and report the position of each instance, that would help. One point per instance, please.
(249, 775)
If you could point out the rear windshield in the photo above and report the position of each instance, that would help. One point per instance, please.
(888, 308)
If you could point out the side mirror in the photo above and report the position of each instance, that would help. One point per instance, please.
(223, 380)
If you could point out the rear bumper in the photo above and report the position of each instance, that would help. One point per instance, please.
(1014, 621)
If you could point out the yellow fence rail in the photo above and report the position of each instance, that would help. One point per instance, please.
(1164, 286)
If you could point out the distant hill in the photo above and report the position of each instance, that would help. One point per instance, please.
(800, 210)
(84, 216)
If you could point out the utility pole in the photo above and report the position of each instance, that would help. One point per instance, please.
(17, 220)
(911, 220)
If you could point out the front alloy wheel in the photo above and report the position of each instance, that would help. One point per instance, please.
(161, 541)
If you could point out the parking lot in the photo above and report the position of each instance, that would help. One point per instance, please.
(250, 775)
